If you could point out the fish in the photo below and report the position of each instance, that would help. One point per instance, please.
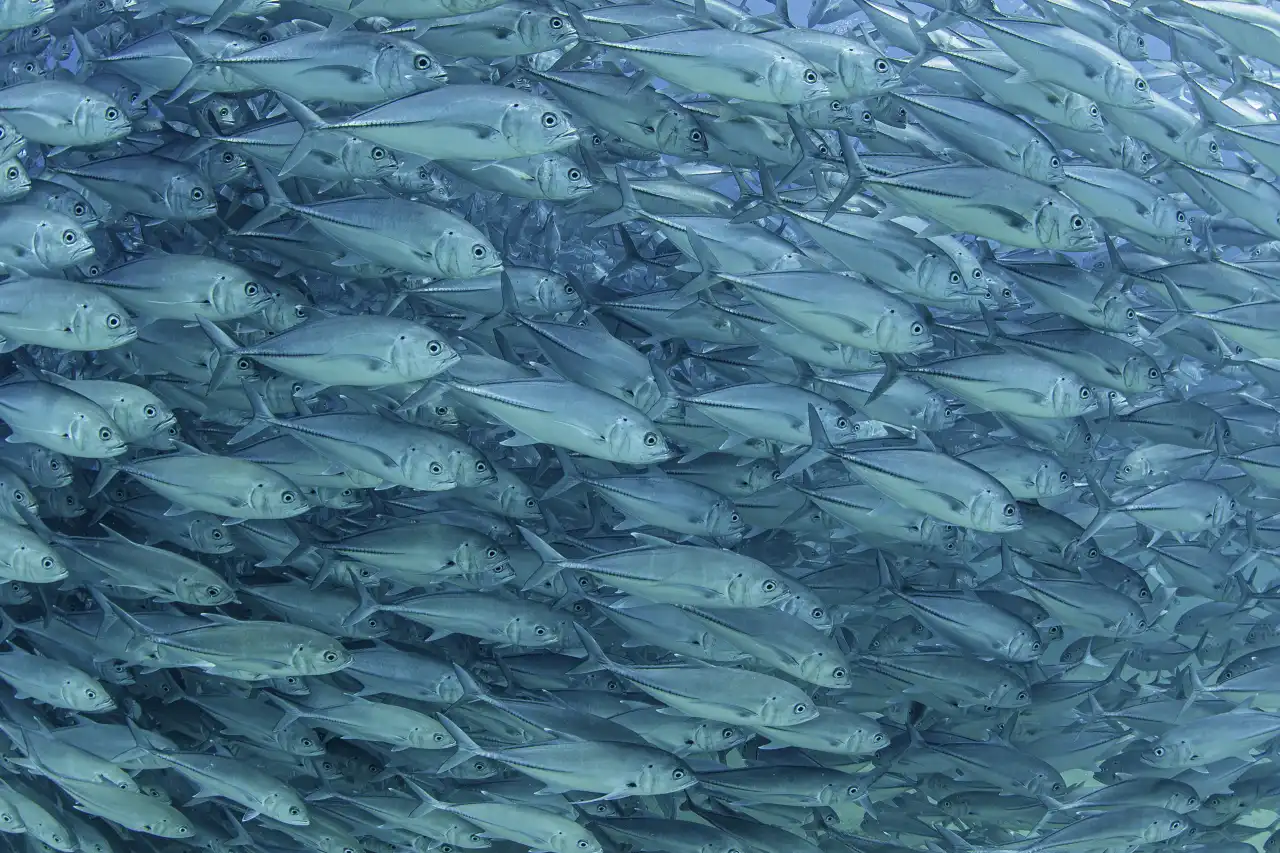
(665, 425)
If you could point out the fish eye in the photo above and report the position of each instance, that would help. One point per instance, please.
(582, 845)
(1129, 314)
(478, 251)
(1077, 222)
(215, 534)
(556, 24)
(113, 321)
(817, 613)
(550, 119)
(530, 503)
(917, 328)
(330, 656)
(287, 497)
(1084, 393)
(800, 708)
(12, 173)
(540, 631)
(1140, 84)
(197, 193)
(1175, 825)
(1009, 510)
(112, 114)
(1153, 372)
(377, 153)
(78, 210)
(228, 157)
(17, 495)
(435, 468)
(882, 67)
(575, 174)
(810, 77)
(769, 586)
(650, 439)
(1093, 110)
(47, 563)
(1158, 752)
(842, 423)
(481, 466)
(421, 63)
(104, 433)
(434, 347)
(1213, 146)
(224, 112)
(251, 289)
(954, 278)
(838, 672)
(68, 236)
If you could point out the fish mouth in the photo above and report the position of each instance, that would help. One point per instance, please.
(449, 362)
(565, 138)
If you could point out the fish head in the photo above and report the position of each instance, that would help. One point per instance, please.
(1136, 156)
(203, 592)
(367, 160)
(533, 125)
(792, 79)
(545, 29)
(420, 352)
(1127, 88)
(1041, 163)
(39, 565)
(276, 497)
(284, 806)
(14, 180)
(1051, 479)
(1082, 114)
(677, 132)
(406, 67)
(1130, 43)
(59, 242)
(99, 118)
(1118, 314)
(637, 441)
(1140, 373)
(238, 295)
(787, 710)
(1060, 224)
(86, 695)
(189, 196)
(319, 657)
(1168, 752)
(95, 435)
(864, 73)
(466, 253)
(100, 323)
(560, 178)
(1071, 397)
(1203, 151)
(221, 165)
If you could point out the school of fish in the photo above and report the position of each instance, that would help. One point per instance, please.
(601, 426)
